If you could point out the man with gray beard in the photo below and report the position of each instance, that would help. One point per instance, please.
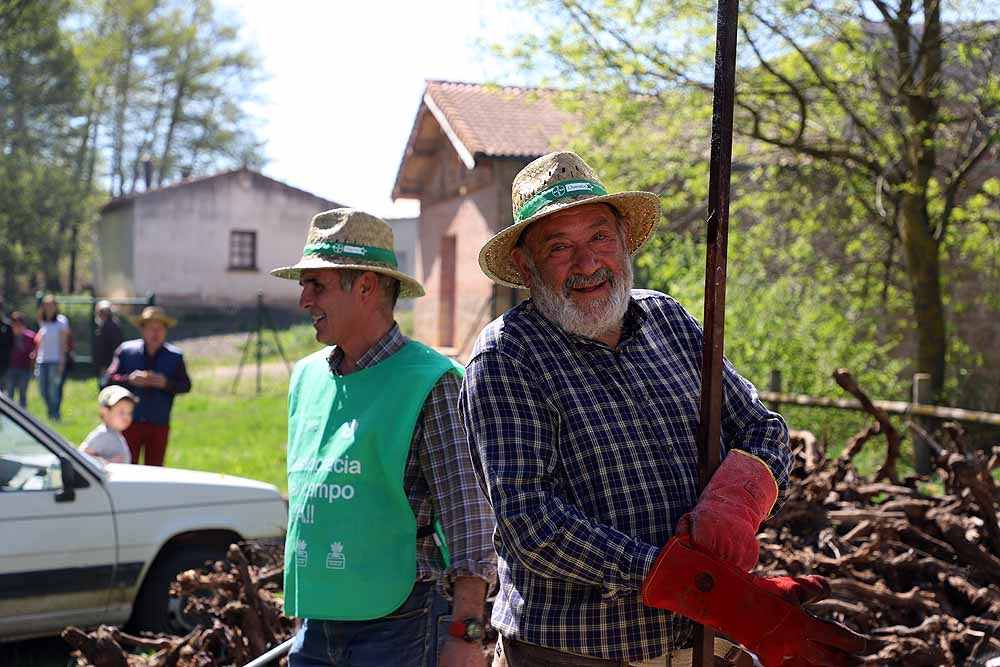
(581, 407)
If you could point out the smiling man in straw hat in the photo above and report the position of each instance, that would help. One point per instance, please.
(581, 406)
(154, 370)
(384, 508)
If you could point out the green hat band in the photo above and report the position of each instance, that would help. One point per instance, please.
(352, 250)
(555, 193)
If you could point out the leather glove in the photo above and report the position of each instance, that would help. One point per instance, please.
(761, 614)
(724, 523)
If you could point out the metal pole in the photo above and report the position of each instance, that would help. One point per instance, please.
(775, 387)
(260, 323)
(275, 653)
(922, 393)
(709, 426)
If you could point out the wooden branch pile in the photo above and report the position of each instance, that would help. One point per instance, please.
(242, 619)
(919, 574)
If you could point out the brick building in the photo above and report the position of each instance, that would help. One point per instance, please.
(467, 143)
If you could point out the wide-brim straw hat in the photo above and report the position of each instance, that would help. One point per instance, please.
(346, 238)
(556, 182)
(150, 313)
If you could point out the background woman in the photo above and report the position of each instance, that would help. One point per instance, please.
(52, 342)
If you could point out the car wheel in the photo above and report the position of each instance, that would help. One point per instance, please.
(155, 610)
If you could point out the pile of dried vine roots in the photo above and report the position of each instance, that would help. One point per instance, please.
(919, 574)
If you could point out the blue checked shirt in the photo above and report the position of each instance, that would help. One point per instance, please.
(438, 479)
(589, 459)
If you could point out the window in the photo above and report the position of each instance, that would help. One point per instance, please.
(243, 250)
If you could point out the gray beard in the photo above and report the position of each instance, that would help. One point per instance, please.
(598, 319)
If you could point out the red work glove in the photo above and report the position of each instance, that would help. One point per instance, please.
(724, 523)
(761, 614)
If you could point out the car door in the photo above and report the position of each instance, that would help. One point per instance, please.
(57, 550)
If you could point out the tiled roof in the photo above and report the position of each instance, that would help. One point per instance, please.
(481, 121)
(496, 122)
(260, 178)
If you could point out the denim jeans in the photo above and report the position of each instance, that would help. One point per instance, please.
(15, 381)
(50, 384)
(411, 636)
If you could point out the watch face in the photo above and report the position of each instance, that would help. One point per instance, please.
(473, 629)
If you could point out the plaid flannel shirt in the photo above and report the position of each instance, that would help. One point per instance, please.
(438, 479)
(589, 458)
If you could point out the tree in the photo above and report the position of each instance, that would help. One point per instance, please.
(170, 81)
(39, 84)
(892, 105)
(94, 87)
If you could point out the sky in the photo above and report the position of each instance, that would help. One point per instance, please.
(345, 79)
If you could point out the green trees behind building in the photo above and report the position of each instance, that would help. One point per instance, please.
(865, 229)
(89, 91)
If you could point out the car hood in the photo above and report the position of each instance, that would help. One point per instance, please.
(141, 486)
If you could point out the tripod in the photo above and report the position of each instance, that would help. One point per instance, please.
(262, 316)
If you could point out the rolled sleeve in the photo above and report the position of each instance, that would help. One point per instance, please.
(459, 503)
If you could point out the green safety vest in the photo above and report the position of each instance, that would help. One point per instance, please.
(350, 551)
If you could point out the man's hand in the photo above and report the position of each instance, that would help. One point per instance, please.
(460, 653)
(138, 378)
(148, 379)
(761, 614)
(468, 599)
(724, 523)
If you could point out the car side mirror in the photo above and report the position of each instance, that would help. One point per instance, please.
(70, 481)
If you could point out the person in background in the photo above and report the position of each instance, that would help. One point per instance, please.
(52, 348)
(154, 370)
(106, 441)
(6, 341)
(107, 338)
(22, 360)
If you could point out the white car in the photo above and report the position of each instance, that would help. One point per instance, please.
(82, 543)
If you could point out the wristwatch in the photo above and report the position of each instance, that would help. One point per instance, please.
(470, 630)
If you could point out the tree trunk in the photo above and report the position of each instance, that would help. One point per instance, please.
(177, 107)
(923, 267)
(123, 82)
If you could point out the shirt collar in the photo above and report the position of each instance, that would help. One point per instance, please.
(386, 346)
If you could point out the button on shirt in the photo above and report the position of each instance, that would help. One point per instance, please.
(589, 458)
(437, 478)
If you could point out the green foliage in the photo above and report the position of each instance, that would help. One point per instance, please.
(90, 88)
(860, 182)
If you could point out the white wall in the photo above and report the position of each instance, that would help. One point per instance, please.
(405, 232)
(182, 235)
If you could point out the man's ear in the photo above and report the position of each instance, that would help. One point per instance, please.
(519, 256)
(367, 284)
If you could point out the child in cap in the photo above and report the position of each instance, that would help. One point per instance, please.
(106, 441)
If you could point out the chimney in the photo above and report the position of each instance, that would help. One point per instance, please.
(147, 172)
(185, 173)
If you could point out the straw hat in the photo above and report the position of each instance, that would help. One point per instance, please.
(556, 182)
(151, 313)
(347, 238)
